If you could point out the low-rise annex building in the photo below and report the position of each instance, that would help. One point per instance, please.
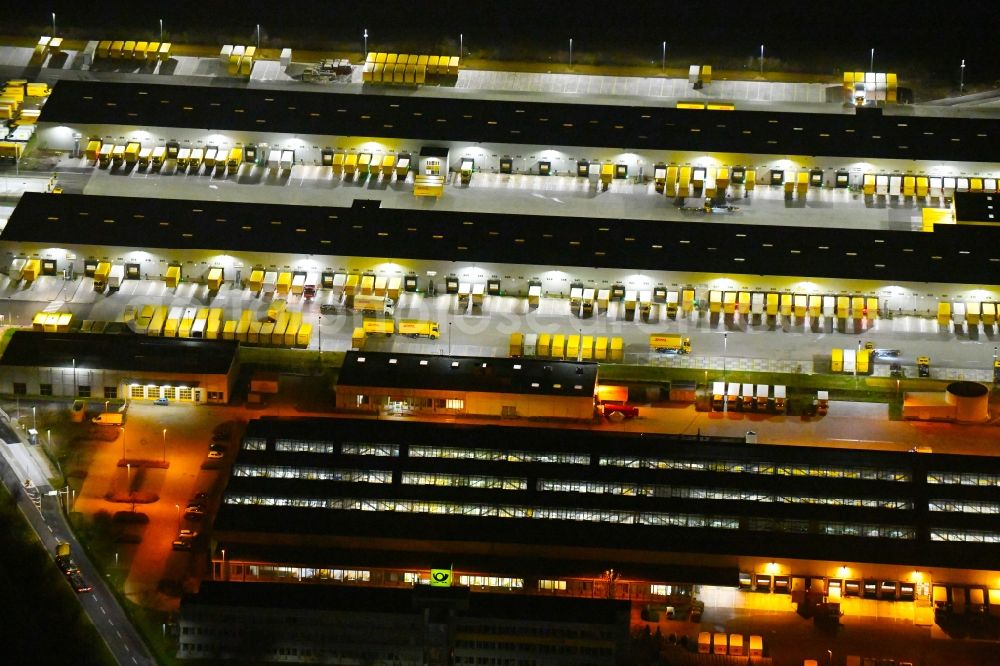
(468, 386)
(111, 367)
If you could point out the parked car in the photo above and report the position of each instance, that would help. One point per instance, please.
(328, 308)
(161, 401)
(215, 454)
(182, 544)
(195, 511)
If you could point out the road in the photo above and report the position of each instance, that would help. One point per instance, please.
(20, 462)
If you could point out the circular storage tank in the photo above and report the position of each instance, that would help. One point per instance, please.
(971, 400)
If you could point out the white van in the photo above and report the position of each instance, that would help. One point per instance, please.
(109, 418)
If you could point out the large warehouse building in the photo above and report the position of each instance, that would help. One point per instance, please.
(532, 510)
(197, 236)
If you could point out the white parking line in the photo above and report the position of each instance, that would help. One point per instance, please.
(103, 611)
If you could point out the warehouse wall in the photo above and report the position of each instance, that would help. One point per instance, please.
(514, 277)
(64, 385)
(476, 403)
(487, 155)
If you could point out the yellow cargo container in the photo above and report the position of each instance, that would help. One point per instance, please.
(863, 365)
(922, 183)
(601, 349)
(572, 347)
(843, 307)
(587, 348)
(858, 307)
(868, 184)
(815, 306)
(229, 330)
(617, 352)
(367, 285)
(944, 314)
(38, 322)
(715, 301)
(256, 280)
(280, 327)
(212, 329)
(253, 332)
(358, 338)
(771, 309)
(350, 164)
(801, 305)
(544, 348)
(266, 332)
(170, 328)
(242, 330)
(837, 360)
(871, 305)
(294, 322)
(743, 307)
(304, 335)
(116, 48)
(93, 150)
(515, 347)
(989, 314)
(173, 276)
(338, 164)
(284, 284)
(558, 346)
(750, 180)
(687, 300)
(786, 305)
(729, 302)
(802, 182)
(184, 330)
(351, 284)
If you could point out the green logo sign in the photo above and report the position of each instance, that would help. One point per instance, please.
(441, 577)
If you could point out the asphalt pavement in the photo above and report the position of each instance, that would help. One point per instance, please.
(48, 521)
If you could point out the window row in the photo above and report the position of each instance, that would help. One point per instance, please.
(963, 479)
(489, 510)
(313, 473)
(499, 455)
(464, 481)
(958, 506)
(970, 536)
(767, 468)
(795, 526)
(492, 581)
(653, 490)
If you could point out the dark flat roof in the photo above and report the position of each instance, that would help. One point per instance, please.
(869, 135)
(953, 253)
(977, 208)
(136, 353)
(792, 501)
(469, 373)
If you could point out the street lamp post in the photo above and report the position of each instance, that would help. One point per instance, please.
(961, 77)
(161, 30)
(762, 60)
(319, 329)
(461, 45)
(663, 60)
(571, 53)
(365, 54)
(258, 37)
(53, 24)
(34, 417)
(449, 338)
(106, 403)
(872, 63)
(177, 509)
(164, 445)
(725, 351)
